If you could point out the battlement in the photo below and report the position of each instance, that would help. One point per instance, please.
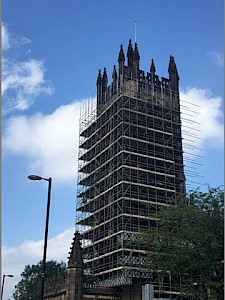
(139, 81)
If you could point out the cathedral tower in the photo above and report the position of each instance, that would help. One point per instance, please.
(130, 165)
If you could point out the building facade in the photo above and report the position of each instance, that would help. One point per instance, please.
(130, 165)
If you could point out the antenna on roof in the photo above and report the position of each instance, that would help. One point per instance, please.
(135, 31)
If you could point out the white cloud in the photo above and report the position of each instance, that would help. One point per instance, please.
(27, 74)
(49, 141)
(9, 40)
(217, 58)
(206, 117)
(30, 252)
(22, 80)
(21, 83)
(5, 38)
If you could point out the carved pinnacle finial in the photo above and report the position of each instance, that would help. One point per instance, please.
(104, 74)
(130, 48)
(121, 57)
(136, 53)
(99, 78)
(104, 81)
(75, 257)
(152, 69)
(173, 75)
(172, 66)
(114, 74)
(130, 55)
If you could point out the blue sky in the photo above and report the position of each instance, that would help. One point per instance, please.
(52, 51)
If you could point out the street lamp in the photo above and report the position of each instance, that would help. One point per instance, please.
(35, 177)
(3, 280)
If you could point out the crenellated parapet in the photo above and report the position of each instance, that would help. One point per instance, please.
(140, 82)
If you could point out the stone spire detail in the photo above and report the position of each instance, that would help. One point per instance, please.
(114, 74)
(136, 53)
(130, 54)
(114, 80)
(99, 88)
(121, 57)
(152, 68)
(136, 58)
(173, 74)
(75, 255)
(74, 271)
(172, 66)
(104, 81)
(99, 78)
(121, 60)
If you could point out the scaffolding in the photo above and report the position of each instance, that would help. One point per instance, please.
(130, 165)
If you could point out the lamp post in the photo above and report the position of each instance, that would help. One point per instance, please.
(3, 280)
(35, 177)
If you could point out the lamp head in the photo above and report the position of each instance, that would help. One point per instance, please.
(34, 177)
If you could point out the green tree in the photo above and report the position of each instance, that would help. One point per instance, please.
(29, 286)
(188, 242)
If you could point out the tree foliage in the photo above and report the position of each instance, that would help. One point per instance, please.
(29, 286)
(188, 242)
